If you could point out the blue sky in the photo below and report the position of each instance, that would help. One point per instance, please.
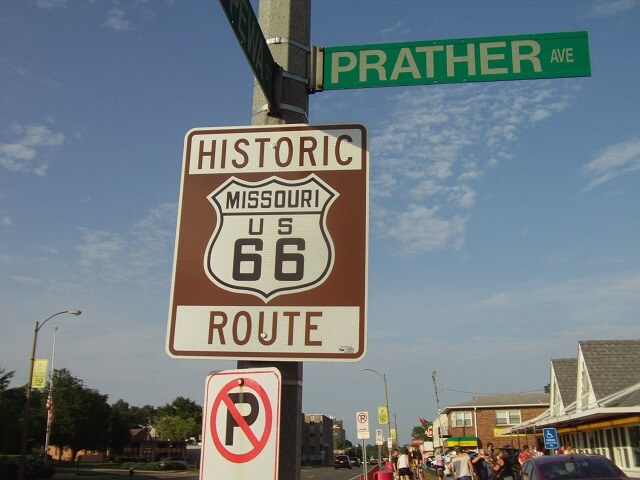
(504, 218)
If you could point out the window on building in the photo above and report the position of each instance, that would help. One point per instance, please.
(507, 417)
(461, 419)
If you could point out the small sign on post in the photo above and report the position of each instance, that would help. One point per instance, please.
(249, 34)
(550, 437)
(513, 57)
(39, 378)
(241, 421)
(362, 425)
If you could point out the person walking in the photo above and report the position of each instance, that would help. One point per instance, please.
(502, 467)
(481, 465)
(489, 450)
(525, 454)
(404, 465)
(461, 466)
(394, 462)
(440, 463)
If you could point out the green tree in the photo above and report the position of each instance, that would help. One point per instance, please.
(5, 379)
(142, 416)
(82, 415)
(11, 411)
(180, 420)
(181, 407)
(120, 423)
(176, 428)
(419, 432)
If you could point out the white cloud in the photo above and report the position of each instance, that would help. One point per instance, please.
(420, 229)
(612, 162)
(383, 185)
(131, 256)
(612, 8)
(25, 153)
(438, 143)
(499, 299)
(399, 27)
(51, 4)
(99, 247)
(23, 280)
(117, 20)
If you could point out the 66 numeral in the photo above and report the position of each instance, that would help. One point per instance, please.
(247, 265)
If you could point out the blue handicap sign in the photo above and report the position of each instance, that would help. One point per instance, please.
(550, 436)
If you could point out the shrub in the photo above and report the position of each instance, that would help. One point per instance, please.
(34, 469)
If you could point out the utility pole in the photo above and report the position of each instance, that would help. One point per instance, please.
(286, 25)
(435, 386)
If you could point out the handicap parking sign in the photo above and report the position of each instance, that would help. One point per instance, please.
(550, 436)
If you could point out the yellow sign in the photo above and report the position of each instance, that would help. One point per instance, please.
(39, 378)
(393, 434)
(504, 432)
(383, 415)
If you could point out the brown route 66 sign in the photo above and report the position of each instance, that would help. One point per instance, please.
(271, 244)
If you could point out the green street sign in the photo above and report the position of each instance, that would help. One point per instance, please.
(486, 59)
(248, 32)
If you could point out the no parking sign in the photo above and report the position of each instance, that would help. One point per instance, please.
(240, 437)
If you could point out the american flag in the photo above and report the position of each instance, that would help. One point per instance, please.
(49, 407)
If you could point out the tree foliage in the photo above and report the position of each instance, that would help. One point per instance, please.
(177, 428)
(11, 411)
(120, 423)
(419, 432)
(5, 379)
(84, 419)
(180, 420)
(81, 415)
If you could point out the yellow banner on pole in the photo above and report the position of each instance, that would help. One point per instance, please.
(383, 415)
(39, 378)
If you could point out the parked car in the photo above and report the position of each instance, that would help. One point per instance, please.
(342, 461)
(571, 467)
(355, 461)
(373, 461)
(173, 463)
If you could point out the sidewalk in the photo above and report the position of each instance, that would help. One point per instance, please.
(119, 474)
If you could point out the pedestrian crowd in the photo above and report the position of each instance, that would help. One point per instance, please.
(488, 464)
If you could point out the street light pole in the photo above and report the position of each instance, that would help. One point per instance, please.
(50, 400)
(27, 403)
(386, 400)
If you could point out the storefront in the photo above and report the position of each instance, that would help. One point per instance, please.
(464, 442)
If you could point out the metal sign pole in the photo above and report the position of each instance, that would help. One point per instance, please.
(286, 25)
(364, 459)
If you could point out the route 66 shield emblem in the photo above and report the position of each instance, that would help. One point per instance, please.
(271, 236)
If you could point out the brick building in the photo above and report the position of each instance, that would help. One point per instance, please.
(317, 440)
(487, 419)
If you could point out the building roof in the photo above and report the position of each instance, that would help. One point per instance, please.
(566, 373)
(530, 399)
(140, 434)
(612, 365)
(613, 369)
(630, 400)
